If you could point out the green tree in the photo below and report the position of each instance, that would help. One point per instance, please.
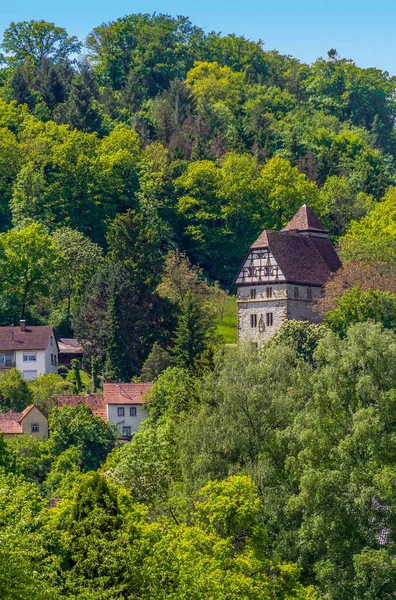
(301, 336)
(373, 238)
(28, 262)
(65, 470)
(356, 306)
(108, 321)
(38, 40)
(15, 394)
(45, 388)
(78, 427)
(194, 331)
(81, 109)
(157, 361)
(97, 549)
(79, 260)
(26, 567)
(32, 457)
(135, 243)
(149, 466)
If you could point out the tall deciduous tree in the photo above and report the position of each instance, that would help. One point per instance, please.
(38, 40)
(28, 261)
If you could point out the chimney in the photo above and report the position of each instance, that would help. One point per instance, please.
(22, 324)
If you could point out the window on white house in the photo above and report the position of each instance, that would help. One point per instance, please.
(253, 320)
(132, 411)
(29, 356)
(309, 293)
(52, 341)
(269, 292)
(126, 431)
(55, 360)
(268, 271)
(270, 319)
(296, 293)
(52, 359)
(29, 375)
(253, 294)
(6, 360)
(35, 427)
(121, 411)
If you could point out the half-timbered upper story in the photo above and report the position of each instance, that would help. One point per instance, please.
(301, 254)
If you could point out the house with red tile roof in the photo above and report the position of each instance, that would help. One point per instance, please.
(31, 349)
(122, 404)
(282, 275)
(31, 421)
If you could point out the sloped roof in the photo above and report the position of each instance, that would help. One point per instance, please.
(69, 346)
(35, 337)
(301, 259)
(95, 403)
(11, 422)
(304, 259)
(125, 393)
(305, 220)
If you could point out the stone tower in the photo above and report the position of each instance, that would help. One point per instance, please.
(282, 275)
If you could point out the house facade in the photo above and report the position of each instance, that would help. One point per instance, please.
(122, 404)
(31, 349)
(283, 275)
(31, 422)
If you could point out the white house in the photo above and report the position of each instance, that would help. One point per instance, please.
(122, 404)
(125, 405)
(33, 350)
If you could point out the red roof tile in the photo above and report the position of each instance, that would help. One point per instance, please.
(305, 220)
(11, 422)
(125, 393)
(33, 338)
(95, 403)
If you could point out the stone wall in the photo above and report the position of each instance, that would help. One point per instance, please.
(284, 303)
(302, 308)
(261, 306)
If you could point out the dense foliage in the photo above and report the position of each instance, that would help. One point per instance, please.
(135, 172)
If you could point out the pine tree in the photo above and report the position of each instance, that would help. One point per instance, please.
(81, 110)
(157, 361)
(20, 89)
(191, 332)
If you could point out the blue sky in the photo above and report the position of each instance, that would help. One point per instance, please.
(306, 29)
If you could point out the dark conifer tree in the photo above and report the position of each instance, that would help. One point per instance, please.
(191, 335)
(82, 111)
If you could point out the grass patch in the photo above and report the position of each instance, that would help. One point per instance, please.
(227, 321)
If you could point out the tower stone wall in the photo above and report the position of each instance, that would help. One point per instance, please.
(283, 275)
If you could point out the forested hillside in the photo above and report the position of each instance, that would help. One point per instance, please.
(154, 136)
(136, 169)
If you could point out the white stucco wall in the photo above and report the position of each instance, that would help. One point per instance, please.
(42, 365)
(127, 420)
